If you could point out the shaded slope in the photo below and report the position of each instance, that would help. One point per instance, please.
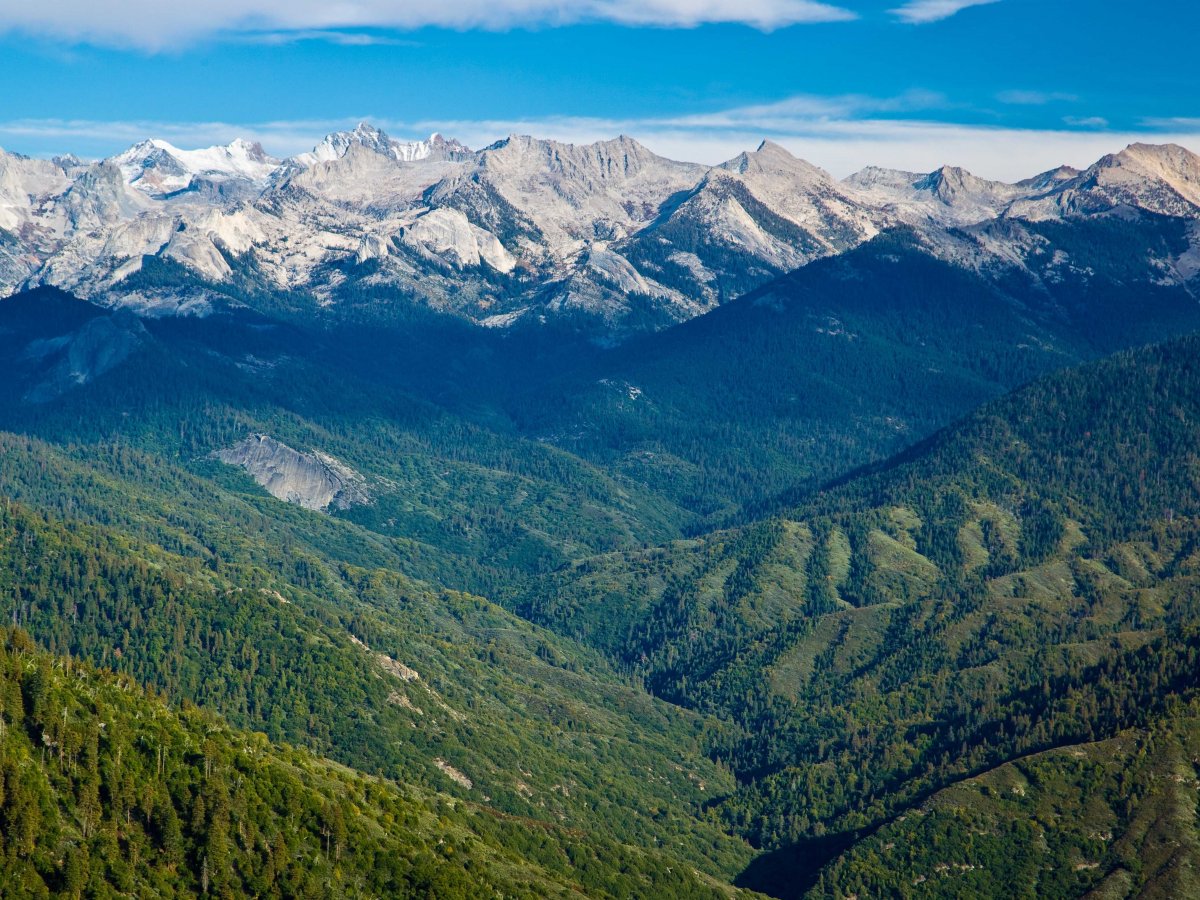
(194, 387)
(848, 360)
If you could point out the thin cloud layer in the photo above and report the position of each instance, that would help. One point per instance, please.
(822, 131)
(163, 24)
(1035, 98)
(921, 12)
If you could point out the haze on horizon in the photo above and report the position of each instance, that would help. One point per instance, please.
(992, 86)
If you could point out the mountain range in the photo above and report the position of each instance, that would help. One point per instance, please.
(607, 237)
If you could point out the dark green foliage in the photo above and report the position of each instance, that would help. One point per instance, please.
(273, 649)
(850, 359)
(1108, 817)
(497, 505)
(103, 791)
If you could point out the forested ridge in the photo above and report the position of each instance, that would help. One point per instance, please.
(1110, 818)
(104, 791)
(538, 726)
(849, 360)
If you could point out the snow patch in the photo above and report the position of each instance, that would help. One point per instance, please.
(158, 167)
(447, 235)
(338, 144)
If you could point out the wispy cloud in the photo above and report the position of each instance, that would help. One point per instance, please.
(921, 12)
(784, 114)
(164, 24)
(1086, 121)
(1184, 123)
(841, 134)
(328, 36)
(1035, 98)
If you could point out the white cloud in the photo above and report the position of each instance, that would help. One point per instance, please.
(807, 107)
(1034, 98)
(163, 24)
(1086, 121)
(920, 12)
(341, 38)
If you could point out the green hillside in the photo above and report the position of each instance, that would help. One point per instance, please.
(124, 544)
(1024, 580)
(1114, 818)
(106, 792)
(525, 624)
(376, 670)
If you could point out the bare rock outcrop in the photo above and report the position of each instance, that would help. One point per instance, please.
(312, 480)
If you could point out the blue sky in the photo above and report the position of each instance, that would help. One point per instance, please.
(1005, 87)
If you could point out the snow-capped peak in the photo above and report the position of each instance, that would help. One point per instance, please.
(435, 147)
(336, 145)
(158, 167)
(241, 157)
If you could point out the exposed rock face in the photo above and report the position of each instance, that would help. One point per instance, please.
(514, 234)
(75, 359)
(1163, 179)
(950, 196)
(447, 234)
(455, 775)
(312, 480)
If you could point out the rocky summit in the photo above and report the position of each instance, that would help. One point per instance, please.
(608, 237)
